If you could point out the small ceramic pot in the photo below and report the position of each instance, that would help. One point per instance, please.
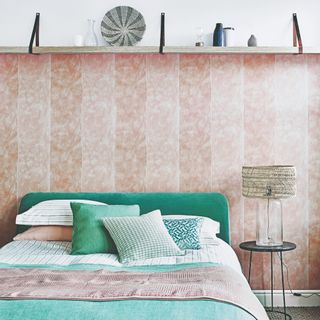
(252, 42)
(228, 37)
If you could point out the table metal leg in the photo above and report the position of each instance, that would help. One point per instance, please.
(283, 293)
(284, 312)
(250, 267)
(271, 281)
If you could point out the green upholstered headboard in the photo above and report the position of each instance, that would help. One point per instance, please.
(212, 205)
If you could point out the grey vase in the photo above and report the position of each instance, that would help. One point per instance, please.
(252, 42)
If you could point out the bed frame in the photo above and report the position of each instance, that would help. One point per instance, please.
(212, 205)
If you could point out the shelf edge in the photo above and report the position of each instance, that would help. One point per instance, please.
(13, 50)
(232, 50)
(155, 50)
(89, 50)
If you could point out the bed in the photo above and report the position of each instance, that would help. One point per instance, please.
(54, 256)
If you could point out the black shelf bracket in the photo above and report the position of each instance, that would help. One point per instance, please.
(297, 41)
(35, 33)
(162, 33)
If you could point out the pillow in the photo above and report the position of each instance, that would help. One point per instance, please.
(185, 232)
(208, 231)
(143, 237)
(46, 233)
(89, 235)
(51, 212)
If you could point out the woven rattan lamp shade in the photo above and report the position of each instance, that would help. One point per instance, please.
(273, 182)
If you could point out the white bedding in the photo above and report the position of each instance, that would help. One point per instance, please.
(58, 253)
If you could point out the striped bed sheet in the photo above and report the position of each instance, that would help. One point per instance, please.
(58, 253)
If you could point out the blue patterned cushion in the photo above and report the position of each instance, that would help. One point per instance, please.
(185, 232)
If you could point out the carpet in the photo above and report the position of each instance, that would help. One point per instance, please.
(298, 313)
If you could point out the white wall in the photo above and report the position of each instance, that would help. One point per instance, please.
(269, 20)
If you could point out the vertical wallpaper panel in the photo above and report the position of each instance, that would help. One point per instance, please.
(166, 123)
(227, 136)
(291, 147)
(195, 124)
(66, 99)
(97, 123)
(34, 124)
(162, 123)
(259, 120)
(130, 100)
(8, 145)
(314, 170)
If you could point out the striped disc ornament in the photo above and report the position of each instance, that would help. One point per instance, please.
(123, 26)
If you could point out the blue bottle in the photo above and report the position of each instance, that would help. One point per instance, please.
(218, 35)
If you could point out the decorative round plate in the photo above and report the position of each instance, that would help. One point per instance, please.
(123, 26)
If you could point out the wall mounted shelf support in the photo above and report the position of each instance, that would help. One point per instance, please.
(162, 33)
(35, 33)
(297, 41)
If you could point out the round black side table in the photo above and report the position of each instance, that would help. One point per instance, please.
(253, 247)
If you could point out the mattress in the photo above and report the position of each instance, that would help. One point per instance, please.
(55, 254)
(58, 253)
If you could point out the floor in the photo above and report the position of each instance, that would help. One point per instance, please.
(298, 314)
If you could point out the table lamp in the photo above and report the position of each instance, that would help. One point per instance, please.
(269, 184)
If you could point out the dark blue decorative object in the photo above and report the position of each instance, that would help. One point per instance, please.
(218, 35)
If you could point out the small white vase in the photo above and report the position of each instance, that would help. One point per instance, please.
(78, 40)
(91, 37)
(228, 37)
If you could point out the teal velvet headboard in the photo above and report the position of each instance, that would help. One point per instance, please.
(212, 205)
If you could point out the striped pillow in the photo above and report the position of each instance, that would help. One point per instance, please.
(51, 212)
(143, 237)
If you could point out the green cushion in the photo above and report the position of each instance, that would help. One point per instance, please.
(207, 204)
(143, 237)
(89, 234)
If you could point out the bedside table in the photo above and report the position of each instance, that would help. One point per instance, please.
(287, 246)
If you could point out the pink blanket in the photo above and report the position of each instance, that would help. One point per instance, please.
(214, 283)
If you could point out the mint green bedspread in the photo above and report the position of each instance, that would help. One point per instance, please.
(119, 310)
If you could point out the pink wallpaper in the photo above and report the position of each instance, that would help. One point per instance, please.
(166, 123)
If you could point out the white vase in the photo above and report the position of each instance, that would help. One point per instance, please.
(78, 40)
(228, 37)
(91, 37)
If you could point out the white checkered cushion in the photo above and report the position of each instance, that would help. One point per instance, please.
(142, 237)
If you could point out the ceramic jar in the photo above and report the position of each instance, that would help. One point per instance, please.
(218, 35)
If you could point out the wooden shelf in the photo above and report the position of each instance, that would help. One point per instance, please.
(17, 50)
(101, 49)
(155, 49)
(311, 50)
(232, 50)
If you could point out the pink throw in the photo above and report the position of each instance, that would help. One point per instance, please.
(218, 283)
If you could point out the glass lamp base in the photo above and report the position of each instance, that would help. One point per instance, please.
(269, 223)
(269, 243)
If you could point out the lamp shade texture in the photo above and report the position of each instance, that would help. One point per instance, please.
(269, 182)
